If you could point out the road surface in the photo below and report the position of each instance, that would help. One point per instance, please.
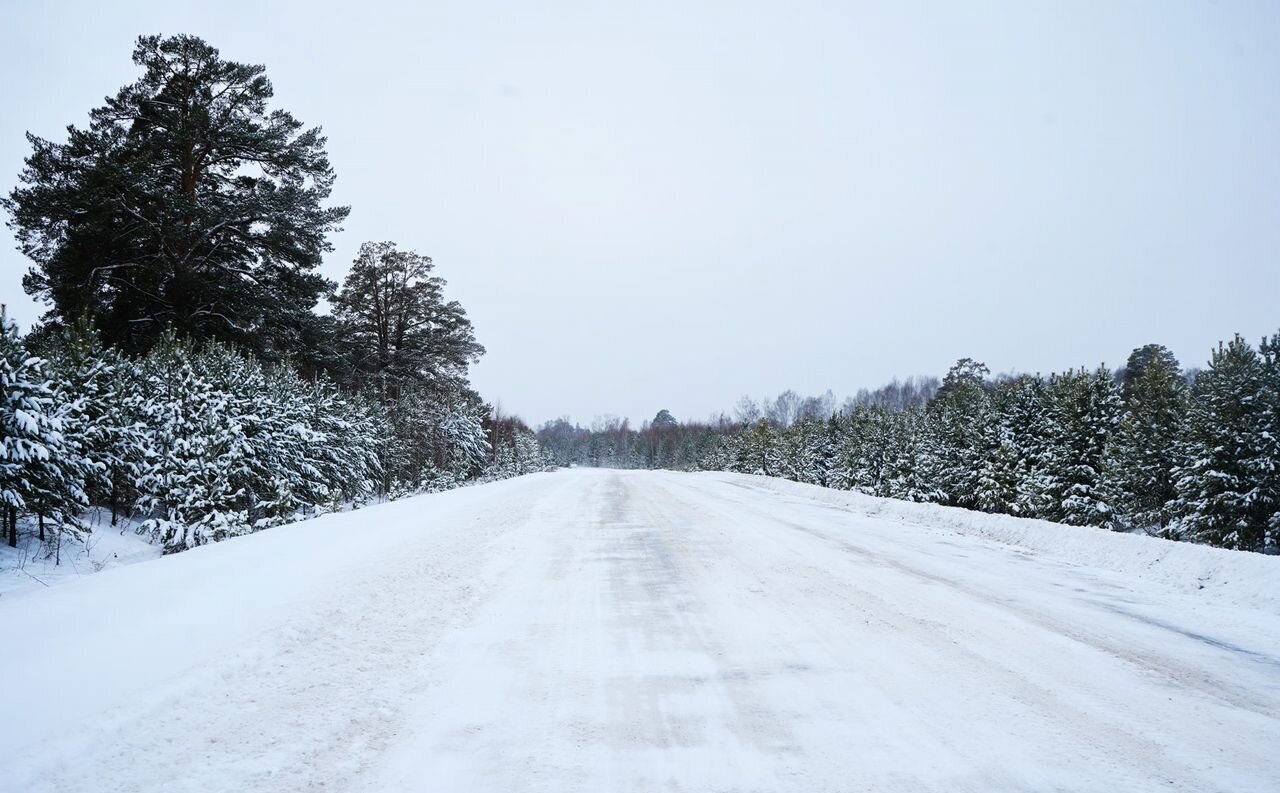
(631, 631)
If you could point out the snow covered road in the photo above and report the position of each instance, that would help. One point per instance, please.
(632, 631)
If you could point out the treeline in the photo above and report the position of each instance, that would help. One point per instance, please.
(198, 443)
(185, 377)
(1185, 455)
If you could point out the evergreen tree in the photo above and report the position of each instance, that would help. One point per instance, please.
(1142, 358)
(959, 415)
(1142, 455)
(286, 483)
(397, 326)
(834, 455)
(1222, 487)
(187, 493)
(95, 383)
(759, 452)
(437, 436)
(1033, 427)
(1087, 409)
(721, 454)
(349, 431)
(795, 460)
(664, 420)
(863, 449)
(39, 474)
(1007, 463)
(1269, 457)
(186, 203)
(910, 465)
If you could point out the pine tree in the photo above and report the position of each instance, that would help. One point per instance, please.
(39, 473)
(1222, 486)
(759, 452)
(958, 419)
(1269, 456)
(802, 453)
(463, 435)
(1006, 465)
(528, 456)
(1142, 358)
(834, 455)
(910, 471)
(288, 481)
(1087, 407)
(720, 454)
(399, 330)
(437, 435)
(1143, 453)
(864, 447)
(351, 429)
(187, 493)
(1034, 428)
(186, 203)
(95, 383)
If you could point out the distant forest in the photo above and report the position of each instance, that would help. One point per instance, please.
(1187, 455)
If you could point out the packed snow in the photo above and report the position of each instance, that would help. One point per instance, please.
(594, 630)
(1246, 579)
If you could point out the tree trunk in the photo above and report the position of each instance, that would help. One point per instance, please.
(13, 526)
(40, 518)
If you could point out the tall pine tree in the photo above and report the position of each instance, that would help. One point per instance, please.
(186, 203)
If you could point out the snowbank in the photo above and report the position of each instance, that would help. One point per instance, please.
(1217, 574)
(32, 565)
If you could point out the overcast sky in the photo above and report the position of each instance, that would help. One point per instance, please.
(678, 203)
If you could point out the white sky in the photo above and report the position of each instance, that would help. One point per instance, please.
(671, 206)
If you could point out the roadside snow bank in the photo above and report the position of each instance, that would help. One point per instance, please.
(1235, 577)
(33, 565)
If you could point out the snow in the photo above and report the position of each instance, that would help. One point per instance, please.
(1216, 575)
(601, 630)
(32, 565)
